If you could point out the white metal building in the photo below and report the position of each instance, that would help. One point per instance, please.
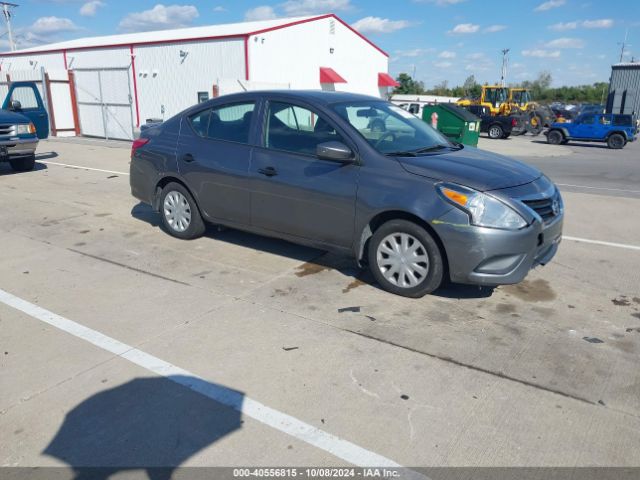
(117, 82)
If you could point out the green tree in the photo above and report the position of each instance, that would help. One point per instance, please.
(408, 85)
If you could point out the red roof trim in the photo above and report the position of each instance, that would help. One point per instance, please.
(195, 39)
(386, 80)
(329, 75)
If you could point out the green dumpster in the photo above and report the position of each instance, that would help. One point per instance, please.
(457, 123)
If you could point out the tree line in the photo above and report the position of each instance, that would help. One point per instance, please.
(541, 89)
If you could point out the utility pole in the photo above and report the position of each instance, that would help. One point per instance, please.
(505, 62)
(624, 45)
(6, 10)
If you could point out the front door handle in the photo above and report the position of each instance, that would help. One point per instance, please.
(188, 158)
(268, 172)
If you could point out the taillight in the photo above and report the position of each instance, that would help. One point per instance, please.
(514, 122)
(137, 143)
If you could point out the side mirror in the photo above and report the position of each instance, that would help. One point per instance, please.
(335, 152)
(15, 105)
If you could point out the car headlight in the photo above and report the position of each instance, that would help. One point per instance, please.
(483, 210)
(25, 129)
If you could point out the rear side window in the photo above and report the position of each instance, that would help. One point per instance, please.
(231, 123)
(622, 120)
(296, 129)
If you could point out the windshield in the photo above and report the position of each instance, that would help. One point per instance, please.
(389, 128)
(521, 97)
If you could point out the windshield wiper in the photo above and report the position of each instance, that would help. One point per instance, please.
(408, 153)
(438, 146)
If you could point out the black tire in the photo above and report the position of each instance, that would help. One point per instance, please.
(555, 137)
(616, 141)
(536, 125)
(24, 164)
(428, 282)
(195, 227)
(495, 131)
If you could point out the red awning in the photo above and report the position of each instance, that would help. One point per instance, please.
(329, 75)
(386, 80)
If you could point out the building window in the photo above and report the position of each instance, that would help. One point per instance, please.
(203, 97)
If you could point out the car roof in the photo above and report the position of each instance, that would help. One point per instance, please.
(317, 96)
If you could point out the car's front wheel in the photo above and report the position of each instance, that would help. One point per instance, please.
(24, 164)
(405, 259)
(616, 141)
(180, 215)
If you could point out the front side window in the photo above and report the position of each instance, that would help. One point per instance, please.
(588, 119)
(297, 129)
(26, 96)
(231, 123)
(390, 129)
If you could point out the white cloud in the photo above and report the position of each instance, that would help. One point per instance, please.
(549, 5)
(475, 56)
(447, 54)
(463, 28)
(566, 43)
(160, 17)
(219, 9)
(263, 12)
(296, 8)
(49, 25)
(600, 23)
(90, 9)
(442, 64)
(379, 25)
(415, 52)
(494, 28)
(560, 27)
(441, 3)
(541, 53)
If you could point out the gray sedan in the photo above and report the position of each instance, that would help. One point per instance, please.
(351, 174)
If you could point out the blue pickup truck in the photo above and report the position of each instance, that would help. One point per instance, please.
(23, 122)
(616, 130)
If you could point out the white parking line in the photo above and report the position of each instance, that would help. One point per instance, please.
(598, 188)
(600, 242)
(79, 167)
(302, 431)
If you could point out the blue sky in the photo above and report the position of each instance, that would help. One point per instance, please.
(576, 40)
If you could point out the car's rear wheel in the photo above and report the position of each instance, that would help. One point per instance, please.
(495, 131)
(24, 164)
(405, 259)
(180, 215)
(555, 137)
(616, 141)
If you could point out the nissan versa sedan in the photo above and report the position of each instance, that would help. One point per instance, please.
(352, 174)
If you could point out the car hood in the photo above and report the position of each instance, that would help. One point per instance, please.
(473, 168)
(7, 116)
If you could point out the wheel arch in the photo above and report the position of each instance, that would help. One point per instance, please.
(382, 217)
(619, 132)
(163, 182)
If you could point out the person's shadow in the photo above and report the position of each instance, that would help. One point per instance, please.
(154, 424)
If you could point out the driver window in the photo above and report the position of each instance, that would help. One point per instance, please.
(297, 129)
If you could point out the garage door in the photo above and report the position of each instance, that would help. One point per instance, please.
(105, 102)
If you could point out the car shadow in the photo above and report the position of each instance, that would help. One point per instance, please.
(315, 260)
(46, 156)
(575, 144)
(6, 170)
(153, 424)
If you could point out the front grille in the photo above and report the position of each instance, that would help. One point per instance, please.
(7, 130)
(542, 207)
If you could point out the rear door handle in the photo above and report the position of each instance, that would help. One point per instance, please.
(188, 158)
(268, 172)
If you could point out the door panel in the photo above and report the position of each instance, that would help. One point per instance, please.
(217, 170)
(294, 192)
(31, 106)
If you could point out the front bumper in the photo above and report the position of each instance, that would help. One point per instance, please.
(19, 147)
(487, 256)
